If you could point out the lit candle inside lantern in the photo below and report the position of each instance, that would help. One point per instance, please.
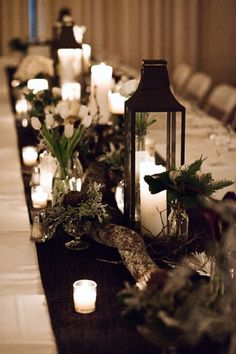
(48, 166)
(29, 155)
(21, 107)
(37, 85)
(151, 220)
(86, 48)
(70, 64)
(84, 294)
(116, 103)
(39, 197)
(71, 91)
(101, 82)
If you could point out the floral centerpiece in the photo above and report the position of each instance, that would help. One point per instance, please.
(193, 304)
(61, 124)
(76, 212)
(186, 187)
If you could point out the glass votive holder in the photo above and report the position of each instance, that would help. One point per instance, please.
(84, 294)
(39, 197)
(29, 155)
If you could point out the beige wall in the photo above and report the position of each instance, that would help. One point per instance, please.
(200, 32)
(217, 54)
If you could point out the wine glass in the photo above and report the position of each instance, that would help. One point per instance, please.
(77, 232)
(222, 140)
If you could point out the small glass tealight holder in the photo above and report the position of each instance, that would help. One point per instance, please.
(39, 197)
(85, 294)
(29, 155)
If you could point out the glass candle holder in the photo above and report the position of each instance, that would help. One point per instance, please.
(84, 294)
(29, 155)
(39, 197)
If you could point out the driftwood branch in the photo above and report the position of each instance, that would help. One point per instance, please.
(129, 243)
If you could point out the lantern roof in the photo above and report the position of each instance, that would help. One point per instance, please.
(153, 93)
(67, 38)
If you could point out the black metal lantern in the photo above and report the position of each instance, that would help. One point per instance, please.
(70, 54)
(152, 101)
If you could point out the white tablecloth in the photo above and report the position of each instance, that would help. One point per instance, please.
(24, 321)
(197, 142)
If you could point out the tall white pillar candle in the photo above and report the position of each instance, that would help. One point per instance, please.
(71, 91)
(86, 48)
(151, 220)
(70, 64)
(101, 82)
(116, 103)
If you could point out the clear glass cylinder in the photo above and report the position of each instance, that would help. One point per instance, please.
(178, 221)
(60, 184)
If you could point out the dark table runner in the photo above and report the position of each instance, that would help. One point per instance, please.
(102, 331)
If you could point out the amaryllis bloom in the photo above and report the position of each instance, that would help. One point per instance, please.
(69, 130)
(35, 122)
(62, 109)
(87, 120)
(83, 111)
(128, 88)
(50, 121)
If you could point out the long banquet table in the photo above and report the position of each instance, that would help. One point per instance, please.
(24, 322)
(25, 325)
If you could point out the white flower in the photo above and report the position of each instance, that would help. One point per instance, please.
(199, 174)
(128, 88)
(202, 263)
(50, 121)
(184, 167)
(69, 130)
(62, 109)
(83, 111)
(35, 122)
(173, 175)
(56, 92)
(87, 120)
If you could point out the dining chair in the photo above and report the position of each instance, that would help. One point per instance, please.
(221, 103)
(180, 76)
(197, 88)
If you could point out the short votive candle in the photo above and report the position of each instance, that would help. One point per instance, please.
(85, 294)
(29, 155)
(39, 197)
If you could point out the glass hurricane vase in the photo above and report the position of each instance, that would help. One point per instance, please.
(60, 184)
(77, 232)
(178, 221)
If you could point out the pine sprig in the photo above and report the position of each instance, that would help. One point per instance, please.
(187, 185)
